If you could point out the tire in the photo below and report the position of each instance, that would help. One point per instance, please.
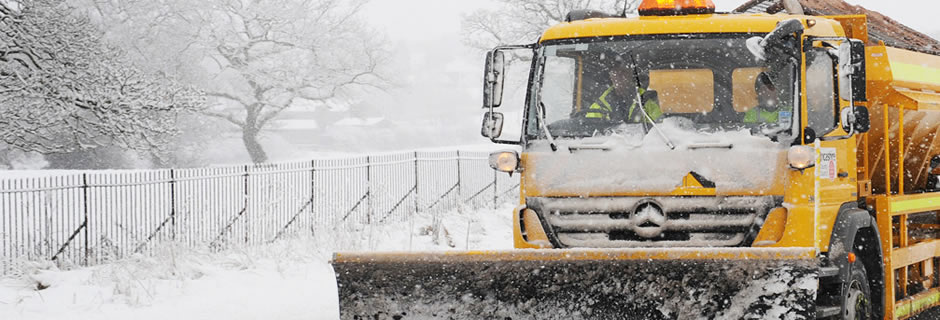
(856, 300)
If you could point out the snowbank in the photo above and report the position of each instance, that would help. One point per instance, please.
(290, 279)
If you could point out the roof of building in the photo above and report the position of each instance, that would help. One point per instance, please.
(880, 27)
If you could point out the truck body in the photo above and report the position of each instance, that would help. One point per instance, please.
(820, 203)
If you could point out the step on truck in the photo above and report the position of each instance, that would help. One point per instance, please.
(686, 164)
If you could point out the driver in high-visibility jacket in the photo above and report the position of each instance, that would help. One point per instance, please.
(768, 107)
(618, 102)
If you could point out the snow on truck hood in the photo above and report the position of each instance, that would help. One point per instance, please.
(737, 162)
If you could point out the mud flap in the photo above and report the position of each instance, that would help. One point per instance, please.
(572, 284)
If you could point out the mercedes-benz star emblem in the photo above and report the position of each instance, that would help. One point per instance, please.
(648, 220)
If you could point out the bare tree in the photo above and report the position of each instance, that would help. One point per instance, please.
(255, 59)
(523, 21)
(63, 89)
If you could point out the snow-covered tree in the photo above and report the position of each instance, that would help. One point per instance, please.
(254, 59)
(523, 21)
(63, 89)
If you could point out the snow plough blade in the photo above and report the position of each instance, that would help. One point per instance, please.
(739, 283)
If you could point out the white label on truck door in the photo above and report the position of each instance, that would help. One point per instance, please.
(826, 165)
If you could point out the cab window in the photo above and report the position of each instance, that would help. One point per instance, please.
(820, 91)
(744, 95)
(684, 91)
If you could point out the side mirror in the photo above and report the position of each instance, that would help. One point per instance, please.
(492, 126)
(862, 121)
(859, 87)
(852, 86)
(759, 46)
(855, 120)
(846, 71)
(493, 79)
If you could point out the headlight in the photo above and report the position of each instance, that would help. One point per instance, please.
(801, 157)
(505, 161)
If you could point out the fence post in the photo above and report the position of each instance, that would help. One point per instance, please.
(369, 188)
(245, 201)
(459, 188)
(417, 202)
(495, 189)
(411, 225)
(313, 187)
(173, 205)
(87, 225)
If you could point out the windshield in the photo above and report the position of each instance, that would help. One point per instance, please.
(616, 87)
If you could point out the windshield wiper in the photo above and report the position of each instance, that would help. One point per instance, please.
(540, 110)
(710, 145)
(642, 106)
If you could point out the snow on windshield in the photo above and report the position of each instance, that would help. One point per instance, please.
(736, 161)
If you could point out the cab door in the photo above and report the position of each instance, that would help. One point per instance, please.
(835, 174)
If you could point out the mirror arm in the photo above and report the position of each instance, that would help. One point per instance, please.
(850, 119)
(530, 46)
(516, 46)
(509, 142)
(771, 44)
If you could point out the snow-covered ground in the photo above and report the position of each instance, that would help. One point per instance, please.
(290, 279)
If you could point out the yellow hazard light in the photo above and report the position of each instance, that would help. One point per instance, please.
(675, 7)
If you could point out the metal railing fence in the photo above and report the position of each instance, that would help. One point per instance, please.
(98, 216)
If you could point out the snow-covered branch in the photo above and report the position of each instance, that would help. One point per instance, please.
(254, 59)
(64, 89)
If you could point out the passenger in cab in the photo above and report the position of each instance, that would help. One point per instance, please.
(769, 106)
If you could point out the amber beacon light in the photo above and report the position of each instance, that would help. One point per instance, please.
(675, 7)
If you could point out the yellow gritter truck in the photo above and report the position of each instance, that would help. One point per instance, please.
(686, 164)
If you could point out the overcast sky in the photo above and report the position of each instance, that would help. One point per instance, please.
(414, 19)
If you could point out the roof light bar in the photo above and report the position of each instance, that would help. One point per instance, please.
(675, 7)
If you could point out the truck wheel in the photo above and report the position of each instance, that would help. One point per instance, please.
(857, 297)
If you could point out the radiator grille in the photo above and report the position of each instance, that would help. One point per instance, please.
(653, 222)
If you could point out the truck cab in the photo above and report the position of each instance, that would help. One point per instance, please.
(688, 130)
